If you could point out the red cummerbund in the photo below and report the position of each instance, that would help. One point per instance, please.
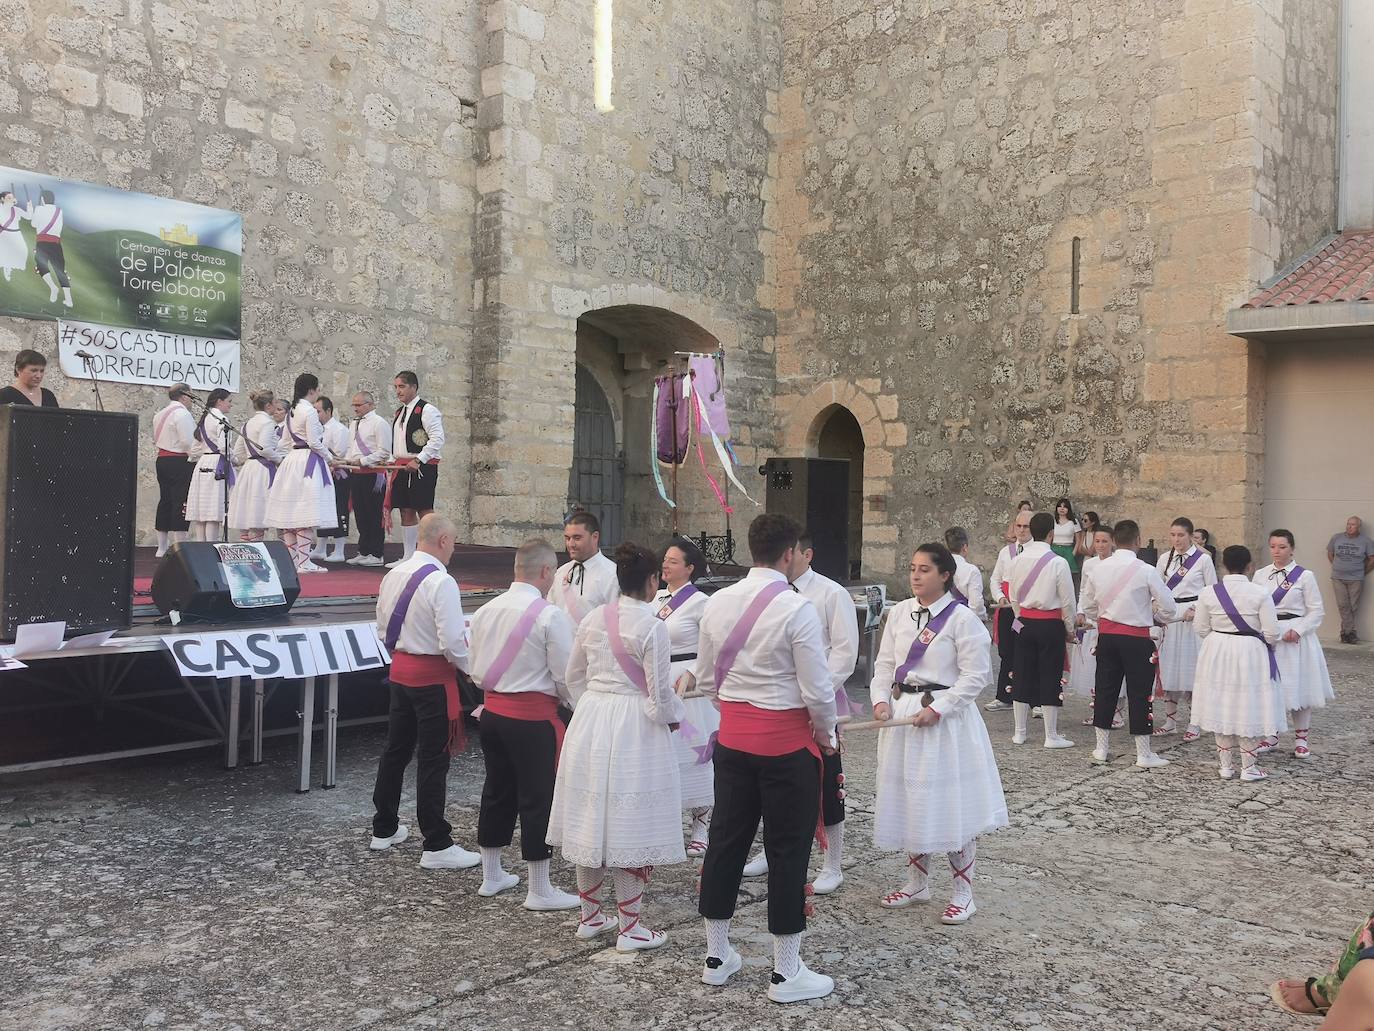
(1107, 626)
(747, 728)
(535, 706)
(1050, 614)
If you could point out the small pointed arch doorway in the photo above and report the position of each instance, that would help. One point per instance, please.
(838, 435)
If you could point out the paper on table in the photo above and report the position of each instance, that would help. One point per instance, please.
(33, 638)
(10, 663)
(90, 640)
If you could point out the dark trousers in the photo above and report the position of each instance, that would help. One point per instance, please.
(1120, 656)
(367, 513)
(832, 791)
(173, 482)
(1006, 653)
(342, 489)
(418, 727)
(521, 757)
(785, 791)
(48, 257)
(1040, 647)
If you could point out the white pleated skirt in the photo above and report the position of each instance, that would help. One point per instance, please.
(1178, 654)
(698, 780)
(1302, 668)
(295, 502)
(248, 499)
(205, 496)
(1233, 693)
(938, 787)
(617, 801)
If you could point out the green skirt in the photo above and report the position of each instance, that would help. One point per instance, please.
(1065, 551)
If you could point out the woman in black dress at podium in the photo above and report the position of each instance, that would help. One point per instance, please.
(27, 388)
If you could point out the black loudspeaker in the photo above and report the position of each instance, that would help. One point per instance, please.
(815, 492)
(70, 481)
(191, 580)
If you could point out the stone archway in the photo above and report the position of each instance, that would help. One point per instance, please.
(839, 435)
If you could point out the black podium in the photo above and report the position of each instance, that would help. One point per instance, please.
(69, 480)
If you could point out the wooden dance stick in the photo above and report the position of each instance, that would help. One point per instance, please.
(385, 467)
(845, 727)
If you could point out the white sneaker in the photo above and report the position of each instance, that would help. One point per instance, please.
(723, 970)
(901, 898)
(1037, 713)
(1058, 742)
(826, 882)
(367, 560)
(382, 844)
(451, 858)
(640, 939)
(1151, 761)
(310, 567)
(955, 913)
(352, 561)
(1226, 773)
(758, 866)
(1099, 756)
(1253, 773)
(587, 929)
(489, 888)
(336, 556)
(549, 903)
(805, 984)
(996, 706)
(160, 554)
(393, 565)
(1018, 739)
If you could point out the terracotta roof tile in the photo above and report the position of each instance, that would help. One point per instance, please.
(1341, 269)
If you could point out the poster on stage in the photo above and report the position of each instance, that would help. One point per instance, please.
(109, 257)
(251, 575)
(150, 356)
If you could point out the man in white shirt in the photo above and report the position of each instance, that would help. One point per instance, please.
(840, 634)
(761, 654)
(48, 258)
(587, 580)
(330, 541)
(369, 443)
(520, 650)
(1186, 570)
(174, 430)
(1124, 596)
(999, 587)
(417, 440)
(1042, 593)
(967, 583)
(420, 616)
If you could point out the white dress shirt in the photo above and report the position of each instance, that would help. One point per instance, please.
(541, 664)
(377, 440)
(958, 658)
(1304, 598)
(1001, 571)
(839, 623)
(434, 622)
(1204, 572)
(1053, 587)
(684, 623)
(260, 430)
(336, 438)
(213, 428)
(174, 429)
(579, 587)
(1137, 602)
(592, 666)
(1252, 601)
(968, 578)
(433, 425)
(782, 664)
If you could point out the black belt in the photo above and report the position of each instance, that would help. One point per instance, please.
(300, 447)
(1290, 615)
(925, 690)
(1234, 633)
(684, 657)
(1193, 598)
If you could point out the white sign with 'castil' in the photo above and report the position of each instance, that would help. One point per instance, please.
(286, 652)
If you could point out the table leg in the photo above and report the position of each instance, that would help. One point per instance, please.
(331, 733)
(306, 718)
(255, 741)
(231, 735)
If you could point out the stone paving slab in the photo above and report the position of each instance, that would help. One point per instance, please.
(168, 893)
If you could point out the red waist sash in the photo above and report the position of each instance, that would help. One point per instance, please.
(1053, 614)
(426, 671)
(164, 453)
(533, 706)
(747, 728)
(1107, 626)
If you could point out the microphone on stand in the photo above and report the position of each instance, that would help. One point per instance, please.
(89, 360)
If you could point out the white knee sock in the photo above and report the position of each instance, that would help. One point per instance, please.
(917, 873)
(161, 542)
(834, 854)
(539, 877)
(787, 954)
(178, 536)
(590, 880)
(212, 531)
(961, 865)
(1103, 738)
(492, 871)
(1302, 723)
(195, 531)
(629, 893)
(1249, 758)
(1224, 743)
(718, 938)
(1050, 714)
(701, 822)
(1143, 748)
(1020, 712)
(411, 536)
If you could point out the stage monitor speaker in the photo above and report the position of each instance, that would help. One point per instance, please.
(191, 580)
(815, 493)
(70, 481)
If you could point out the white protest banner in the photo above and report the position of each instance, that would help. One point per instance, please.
(286, 652)
(147, 356)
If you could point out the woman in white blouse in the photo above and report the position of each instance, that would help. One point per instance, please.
(938, 786)
(257, 453)
(205, 499)
(679, 605)
(617, 802)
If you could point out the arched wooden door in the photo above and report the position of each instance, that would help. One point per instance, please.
(596, 482)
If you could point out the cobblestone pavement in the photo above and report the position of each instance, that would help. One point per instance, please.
(167, 893)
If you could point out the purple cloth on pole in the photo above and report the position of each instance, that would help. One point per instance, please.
(730, 650)
(672, 408)
(708, 384)
(623, 658)
(518, 636)
(923, 641)
(1245, 628)
(398, 614)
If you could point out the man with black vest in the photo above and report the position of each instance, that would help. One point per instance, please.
(417, 439)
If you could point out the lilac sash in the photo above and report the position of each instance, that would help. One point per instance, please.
(56, 214)
(255, 453)
(1183, 569)
(734, 644)
(224, 470)
(1029, 582)
(1289, 582)
(518, 636)
(623, 658)
(1118, 585)
(398, 614)
(1245, 628)
(315, 462)
(923, 641)
(959, 595)
(363, 453)
(676, 601)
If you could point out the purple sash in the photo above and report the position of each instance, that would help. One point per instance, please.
(923, 641)
(315, 462)
(518, 636)
(734, 644)
(676, 601)
(256, 454)
(1289, 582)
(224, 470)
(1246, 630)
(1183, 569)
(623, 658)
(959, 595)
(1025, 587)
(398, 614)
(380, 486)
